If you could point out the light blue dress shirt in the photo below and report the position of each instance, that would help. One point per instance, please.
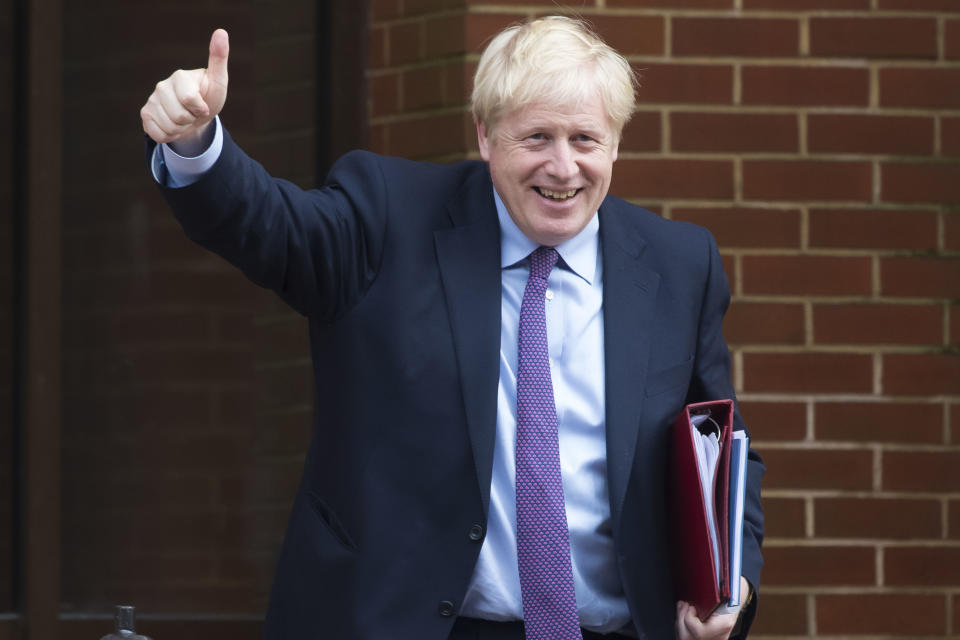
(574, 313)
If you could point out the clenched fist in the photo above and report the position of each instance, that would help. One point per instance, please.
(181, 107)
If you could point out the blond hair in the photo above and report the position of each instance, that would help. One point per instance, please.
(556, 60)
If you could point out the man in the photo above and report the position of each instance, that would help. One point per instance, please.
(499, 349)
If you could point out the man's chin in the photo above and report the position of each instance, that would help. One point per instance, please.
(555, 232)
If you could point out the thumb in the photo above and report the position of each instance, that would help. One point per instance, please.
(217, 62)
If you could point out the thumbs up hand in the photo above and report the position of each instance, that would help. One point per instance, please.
(182, 106)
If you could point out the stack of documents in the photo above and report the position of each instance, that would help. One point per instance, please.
(707, 480)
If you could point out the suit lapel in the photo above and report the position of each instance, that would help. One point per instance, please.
(629, 302)
(468, 254)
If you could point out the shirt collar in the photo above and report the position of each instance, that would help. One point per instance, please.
(579, 253)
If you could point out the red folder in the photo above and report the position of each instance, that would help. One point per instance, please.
(695, 577)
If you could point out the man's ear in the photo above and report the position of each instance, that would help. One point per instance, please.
(483, 141)
(616, 149)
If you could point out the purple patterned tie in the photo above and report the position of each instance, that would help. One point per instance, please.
(543, 542)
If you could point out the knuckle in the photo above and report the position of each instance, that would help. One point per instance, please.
(183, 119)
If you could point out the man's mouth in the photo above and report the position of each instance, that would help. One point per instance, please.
(558, 196)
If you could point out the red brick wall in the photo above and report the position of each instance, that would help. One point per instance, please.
(819, 141)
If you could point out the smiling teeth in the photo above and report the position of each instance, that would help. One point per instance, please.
(558, 195)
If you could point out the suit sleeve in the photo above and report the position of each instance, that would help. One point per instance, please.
(711, 381)
(318, 249)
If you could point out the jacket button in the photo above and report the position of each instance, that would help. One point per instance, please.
(476, 532)
(445, 608)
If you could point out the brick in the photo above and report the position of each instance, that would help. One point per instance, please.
(384, 10)
(135, 410)
(821, 565)
(282, 339)
(422, 88)
(781, 615)
(877, 518)
(921, 566)
(873, 229)
(378, 142)
(285, 387)
(418, 7)
(920, 182)
(807, 372)
(430, 136)
(286, 109)
(953, 519)
(805, 86)
(956, 608)
(185, 365)
(631, 35)
(445, 35)
(482, 27)
(384, 94)
(685, 83)
(748, 323)
(833, 469)
(952, 39)
(775, 420)
(672, 178)
(642, 133)
(806, 5)
(767, 37)
(897, 422)
(881, 614)
(919, 5)
(672, 4)
(954, 423)
(951, 231)
(143, 326)
(405, 43)
(878, 324)
(746, 226)
(921, 470)
(734, 132)
(862, 37)
(921, 374)
(920, 277)
(931, 87)
(164, 490)
(794, 180)
(458, 82)
(504, 2)
(893, 135)
(950, 136)
(954, 325)
(190, 567)
(286, 436)
(806, 275)
(784, 517)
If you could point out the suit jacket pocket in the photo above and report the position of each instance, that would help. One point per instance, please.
(333, 524)
(669, 378)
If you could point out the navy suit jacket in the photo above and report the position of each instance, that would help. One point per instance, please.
(396, 264)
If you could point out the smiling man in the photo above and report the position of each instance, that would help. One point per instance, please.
(499, 349)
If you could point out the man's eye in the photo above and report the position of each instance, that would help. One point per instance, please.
(537, 136)
(583, 138)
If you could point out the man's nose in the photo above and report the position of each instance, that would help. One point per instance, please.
(562, 165)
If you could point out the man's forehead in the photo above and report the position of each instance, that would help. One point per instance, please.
(588, 114)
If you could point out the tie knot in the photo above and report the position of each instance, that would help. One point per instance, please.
(542, 261)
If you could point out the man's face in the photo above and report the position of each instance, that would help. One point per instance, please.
(551, 166)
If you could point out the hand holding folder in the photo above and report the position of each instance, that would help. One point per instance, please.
(707, 480)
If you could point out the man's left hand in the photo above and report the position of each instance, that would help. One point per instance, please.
(716, 627)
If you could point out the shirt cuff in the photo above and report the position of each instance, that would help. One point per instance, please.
(182, 171)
